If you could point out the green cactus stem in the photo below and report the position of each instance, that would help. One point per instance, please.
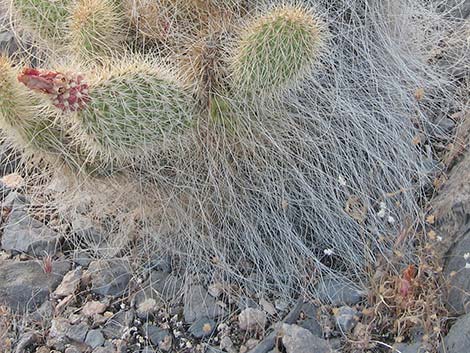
(276, 50)
(44, 18)
(124, 113)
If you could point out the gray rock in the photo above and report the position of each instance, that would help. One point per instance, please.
(458, 299)
(337, 291)
(458, 338)
(309, 320)
(296, 339)
(160, 264)
(26, 340)
(266, 344)
(159, 337)
(24, 286)
(198, 304)
(312, 325)
(252, 320)
(81, 257)
(346, 319)
(166, 285)
(72, 349)
(43, 313)
(106, 349)
(246, 302)
(59, 328)
(110, 277)
(78, 332)
(408, 347)
(23, 233)
(94, 338)
(118, 325)
(202, 328)
(148, 349)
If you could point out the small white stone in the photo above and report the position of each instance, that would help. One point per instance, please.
(391, 220)
(328, 252)
(466, 256)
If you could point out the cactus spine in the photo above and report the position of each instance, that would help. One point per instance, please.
(97, 29)
(43, 18)
(275, 50)
(29, 123)
(123, 112)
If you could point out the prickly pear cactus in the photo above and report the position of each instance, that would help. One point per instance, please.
(223, 133)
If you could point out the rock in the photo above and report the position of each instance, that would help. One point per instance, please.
(160, 264)
(266, 344)
(268, 307)
(78, 332)
(408, 347)
(312, 325)
(246, 302)
(252, 320)
(227, 345)
(202, 328)
(69, 283)
(458, 338)
(346, 319)
(43, 313)
(81, 257)
(215, 289)
(109, 277)
(24, 286)
(166, 285)
(148, 349)
(22, 233)
(93, 308)
(338, 291)
(198, 304)
(296, 339)
(118, 325)
(106, 349)
(457, 258)
(25, 341)
(72, 349)
(159, 337)
(94, 338)
(59, 328)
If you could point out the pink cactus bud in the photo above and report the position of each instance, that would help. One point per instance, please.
(68, 92)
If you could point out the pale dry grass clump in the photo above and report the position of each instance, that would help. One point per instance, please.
(274, 192)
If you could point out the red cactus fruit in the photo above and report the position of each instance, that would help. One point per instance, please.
(68, 92)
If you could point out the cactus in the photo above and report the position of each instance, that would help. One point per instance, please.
(27, 122)
(124, 112)
(43, 18)
(276, 50)
(97, 29)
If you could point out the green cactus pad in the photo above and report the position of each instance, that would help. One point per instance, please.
(30, 123)
(96, 28)
(44, 18)
(276, 50)
(131, 110)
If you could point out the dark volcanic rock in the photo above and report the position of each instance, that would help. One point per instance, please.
(24, 286)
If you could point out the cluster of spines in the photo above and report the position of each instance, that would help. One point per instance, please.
(134, 105)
